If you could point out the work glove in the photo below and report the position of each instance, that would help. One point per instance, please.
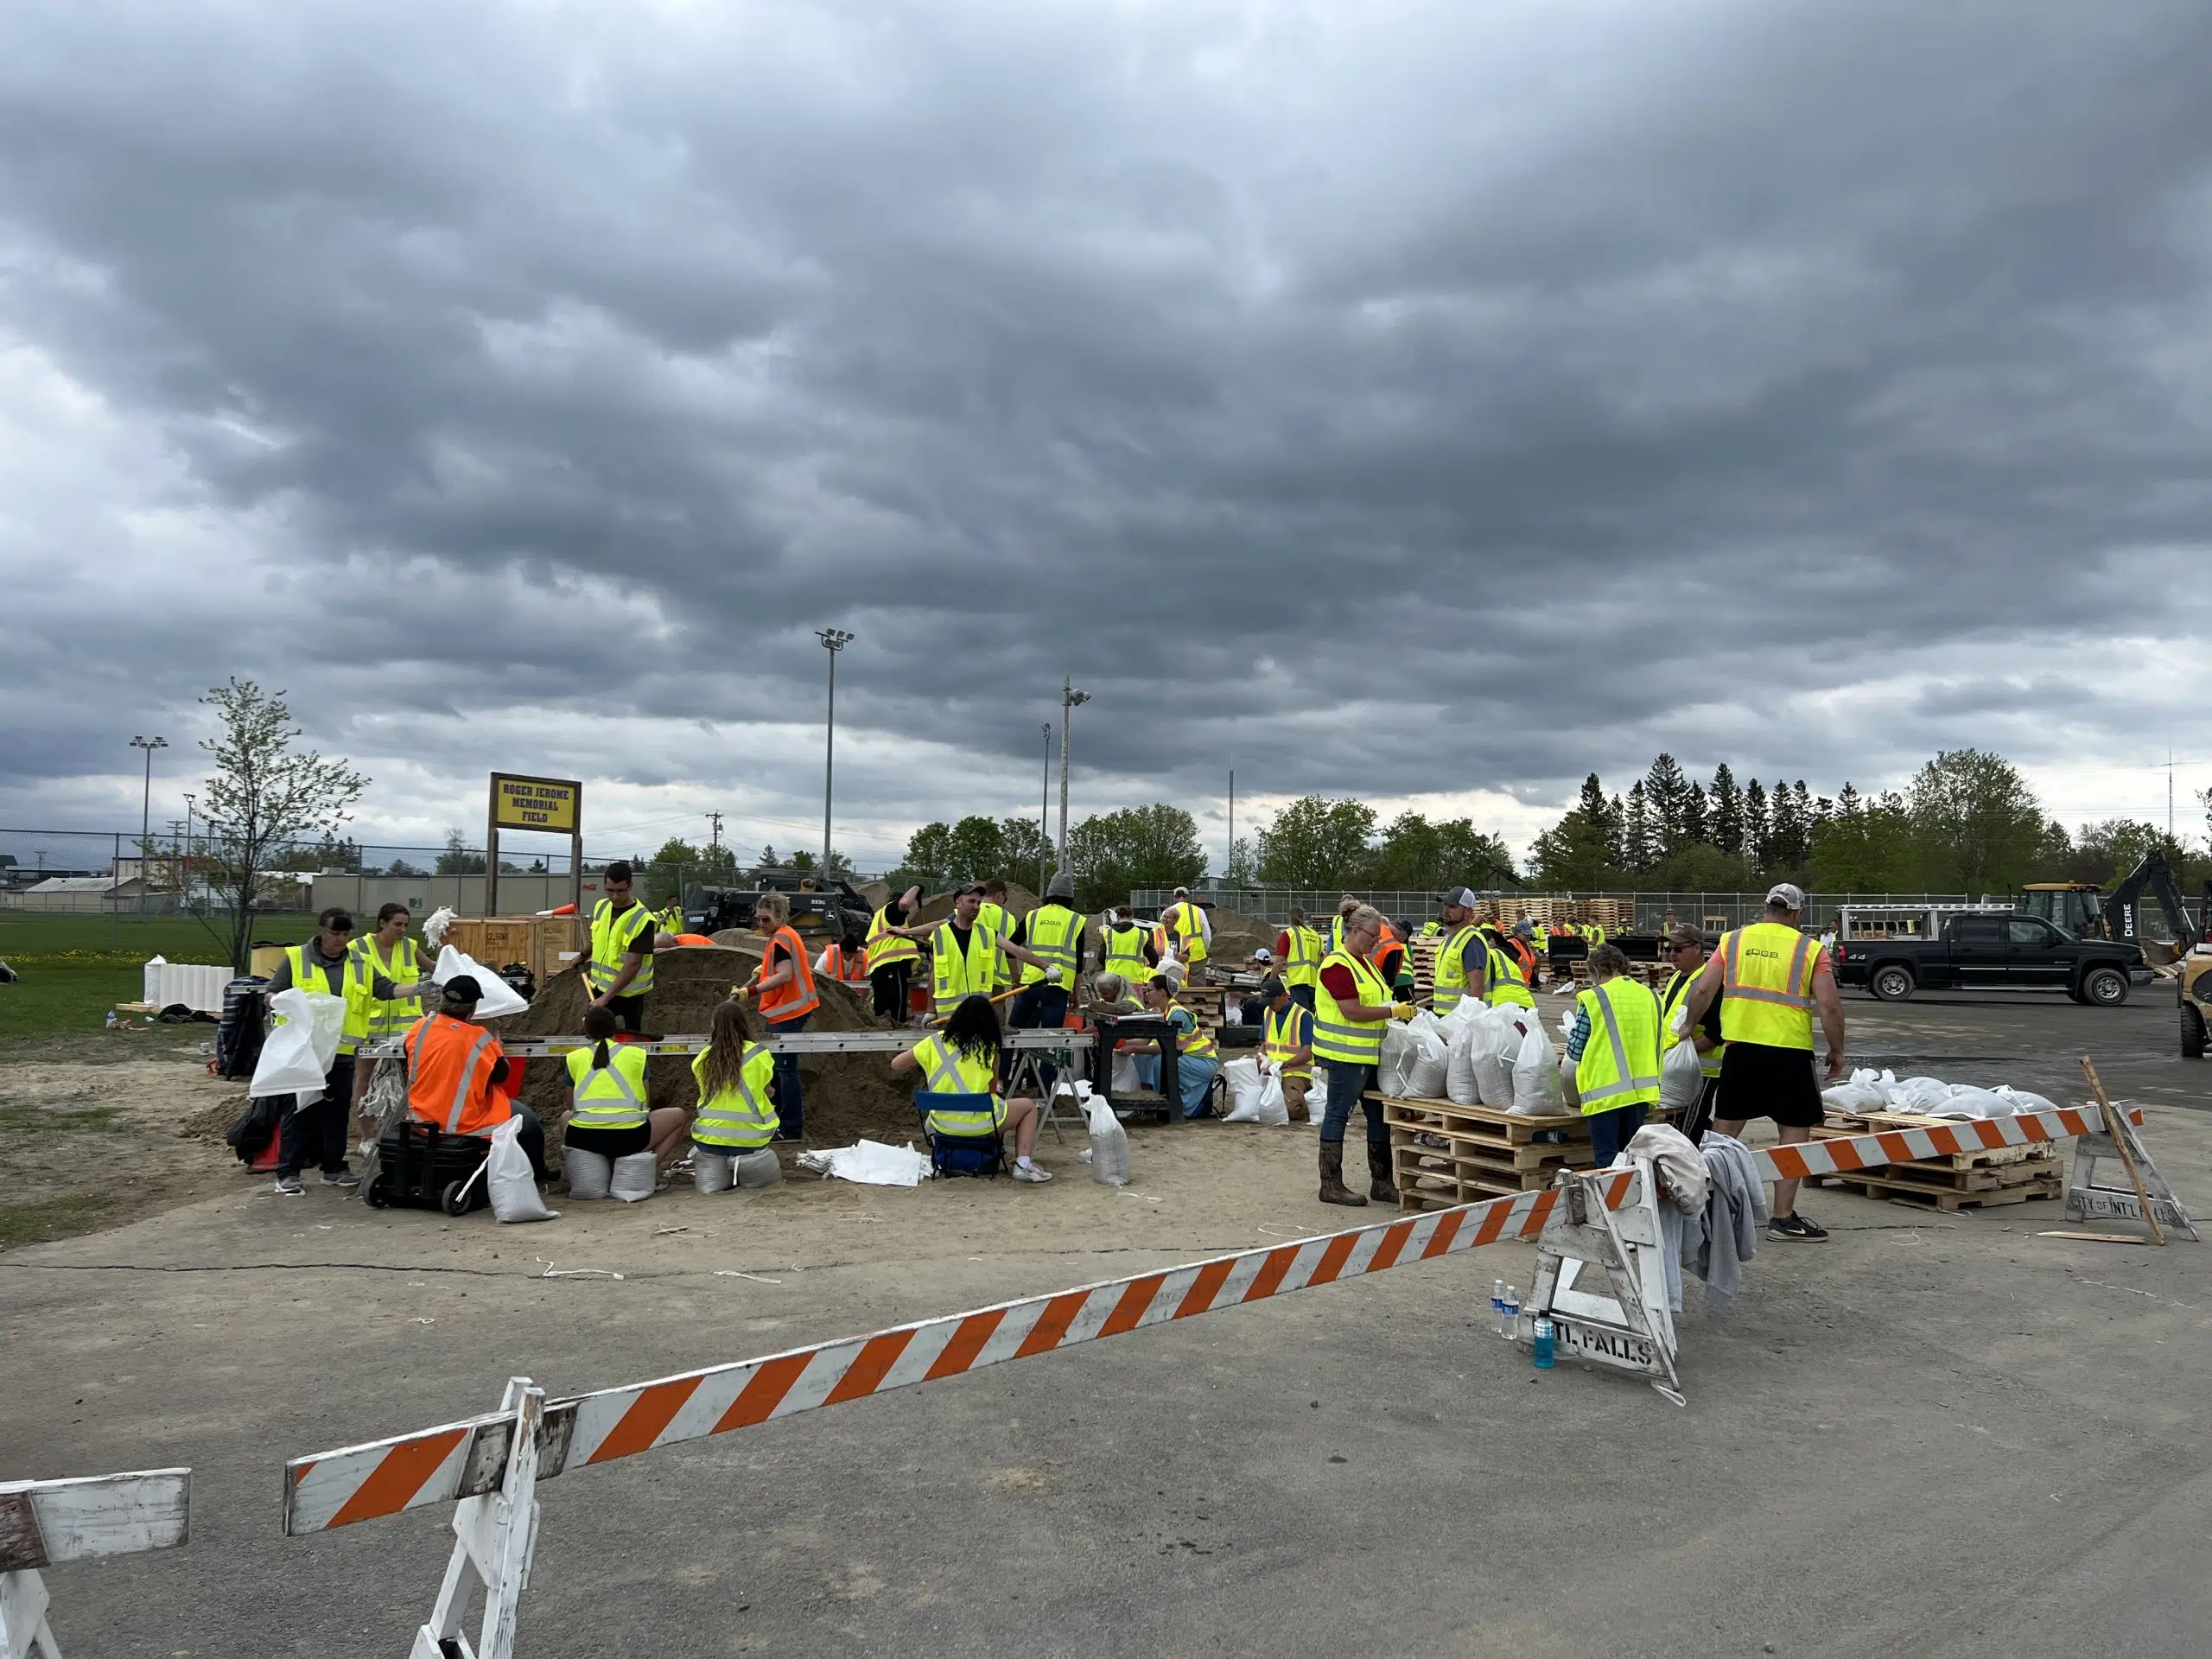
(1053, 975)
(1402, 1012)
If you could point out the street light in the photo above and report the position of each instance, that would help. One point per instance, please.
(1045, 815)
(146, 800)
(833, 640)
(1069, 698)
(189, 802)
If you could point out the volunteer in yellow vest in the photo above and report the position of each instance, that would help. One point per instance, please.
(964, 953)
(1352, 1005)
(1197, 1062)
(784, 988)
(1769, 978)
(1053, 933)
(993, 914)
(619, 973)
(609, 1110)
(891, 957)
(318, 1128)
(453, 1068)
(959, 1096)
(1615, 1048)
(390, 952)
(1298, 947)
(1685, 950)
(1192, 932)
(1462, 961)
(1503, 982)
(1127, 947)
(736, 1115)
(1286, 1044)
(1346, 902)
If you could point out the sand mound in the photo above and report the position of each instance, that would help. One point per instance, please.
(1236, 935)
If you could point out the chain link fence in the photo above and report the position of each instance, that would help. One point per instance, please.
(1714, 912)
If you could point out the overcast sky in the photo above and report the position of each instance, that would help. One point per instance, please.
(1424, 401)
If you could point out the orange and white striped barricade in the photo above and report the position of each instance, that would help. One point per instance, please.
(2116, 1141)
(44, 1523)
(494, 1462)
(1618, 1316)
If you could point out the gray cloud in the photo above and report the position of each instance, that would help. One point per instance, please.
(1804, 385)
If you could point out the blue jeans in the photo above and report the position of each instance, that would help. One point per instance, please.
(1348, 1086)
(791, 1108)
(1040, 1007)
(1193, 1079)
(1609, 1131)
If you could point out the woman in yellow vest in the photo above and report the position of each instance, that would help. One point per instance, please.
(1126, 944)
(609, 1110)
(959, 1093)
(1503, 980)
(1615, 1048)
(736, 1116)
(1299, 949)
(1197, 1062)
(1352, 1006)
(892, 956)
(389, 954)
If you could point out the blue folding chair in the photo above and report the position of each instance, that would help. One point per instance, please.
(963, 1154)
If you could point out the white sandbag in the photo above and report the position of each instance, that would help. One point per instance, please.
(1414, 1060)
(1126, 1081)
(759, 1168)
(1261, 1105)
(1866, 1091)
(712, 1172)
(296, 1056)
(498, 997)
(1918, 1094)
(1497, 1047)
(1535, 1077)
(2022, 1101)
(591, 1174)
(514, 1188)
(1244, 1082)
(1681, 1080)
(1968, 1102)
(1459, 1086)
(635, 1176)
(1110, 1143)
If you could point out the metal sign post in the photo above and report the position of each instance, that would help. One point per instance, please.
(546, 804)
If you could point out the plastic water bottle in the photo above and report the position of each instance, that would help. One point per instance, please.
(1512, 1309)
(1498, 1305)
(1544, 1344)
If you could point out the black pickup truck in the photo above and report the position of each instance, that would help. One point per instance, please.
(1993, 950)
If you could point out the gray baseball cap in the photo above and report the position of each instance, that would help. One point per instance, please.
(1460, 897)
(1787, 894)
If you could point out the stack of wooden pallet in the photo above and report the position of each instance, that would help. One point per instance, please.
(1423, 953)
(1614, 915)
(1445, 1155)
(1955, 1180)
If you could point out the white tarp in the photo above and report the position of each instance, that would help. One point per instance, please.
(870, 1163)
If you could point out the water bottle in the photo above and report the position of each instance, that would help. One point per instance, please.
(1544, 1344)
(1498, 1305)
(1512, 1312)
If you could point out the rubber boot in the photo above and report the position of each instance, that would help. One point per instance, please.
(1378, 1172)
(1333, 1190)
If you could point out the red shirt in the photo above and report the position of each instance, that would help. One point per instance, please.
(1337, 981)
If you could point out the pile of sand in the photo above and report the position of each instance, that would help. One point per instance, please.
(847, 1096)
(1236, 935)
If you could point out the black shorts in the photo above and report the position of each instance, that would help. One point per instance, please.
(629, 1012)
(1777, 1083)
(610, 1143)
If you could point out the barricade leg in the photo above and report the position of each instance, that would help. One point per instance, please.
(46, 1522)
(2146, 1198)
(23, 1629)
(1628, 1323)
(495, 1535)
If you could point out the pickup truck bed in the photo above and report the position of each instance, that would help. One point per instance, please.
(1992, 950)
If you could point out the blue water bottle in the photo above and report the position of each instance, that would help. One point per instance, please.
(1544, 1344)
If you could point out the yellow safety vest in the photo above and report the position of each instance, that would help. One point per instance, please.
(1055, 934)
(1431, 930)
(947, 1070)
(884, 947)
(612, 1099)
(742, 1116)
(1349, 1042)
(1302, 966)
(354, 986)
(1336, 937)
(1766, 986)
(1620, 1062)
(1125, 955)
(955, 975)
(1451, 968)
(992, 914)
(613, 938)
(405, 968)
(1678, 986)
(1278, 1039)
(1190, 932)
(1506, 984)
(1192, 1041)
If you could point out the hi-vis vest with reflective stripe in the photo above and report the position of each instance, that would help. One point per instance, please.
(1677, 987)
(1301, 965)
(449, 1075)
(742, 1116)
(1190, 932)
(946, 1071)
(1506, 984)
(1191, 1040)
(613, 938)
(1278, 1039)
(843, 965)
(1055, 934)
(1452, 968)
(992, 914)
(613, 1098)
(954, 974)
(1620, 1063)
(404, 967)
(1766, 986)
(1349, 1042)
(353, 985)
(797, 995)
(884, 947)
(1125, 955)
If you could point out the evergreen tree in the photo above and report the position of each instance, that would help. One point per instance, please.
(1725, 822)
(1757, 829)
(1697, 818)
(1616, 832)
(1639, 832)
(1666, 794)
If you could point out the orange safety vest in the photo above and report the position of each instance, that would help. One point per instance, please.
(449, 1076)
(845, 969)
(795, 996)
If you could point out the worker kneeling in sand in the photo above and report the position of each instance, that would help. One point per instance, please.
(454, 1069)
(608, 1110)
(1197, 1062)
(737, 1107)
(963, 1062)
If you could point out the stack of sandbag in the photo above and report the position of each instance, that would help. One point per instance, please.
(1869, 1091)
(1415, 1058)
(1500, 1058)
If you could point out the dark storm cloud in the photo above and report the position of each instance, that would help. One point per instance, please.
(1458, 397)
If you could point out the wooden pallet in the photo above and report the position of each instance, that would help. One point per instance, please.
(1945, 1197)
(1445, 1155)
(1485, 1124)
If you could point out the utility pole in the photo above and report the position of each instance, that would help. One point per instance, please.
(145, 809)
(1045, 818)
(176, 847)
(714, 842)
(1232, 818)
(833, 640)
(1070, 697)
(190, 801)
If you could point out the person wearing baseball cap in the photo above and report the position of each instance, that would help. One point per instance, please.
(1462, 960)
(1770, 976)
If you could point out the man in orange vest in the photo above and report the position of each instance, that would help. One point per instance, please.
(785, 986)
(454, 1069)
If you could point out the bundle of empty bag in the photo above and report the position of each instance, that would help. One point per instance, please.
(1884, 1091)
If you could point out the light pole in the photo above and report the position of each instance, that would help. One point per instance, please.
(1069, 698)
(1045, 816)
(146, 800)
(833, 640)
(190, 801)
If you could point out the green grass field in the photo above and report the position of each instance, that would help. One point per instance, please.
(75, 968)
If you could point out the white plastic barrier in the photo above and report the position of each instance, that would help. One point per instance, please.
(44, 1523)
(199, 988)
